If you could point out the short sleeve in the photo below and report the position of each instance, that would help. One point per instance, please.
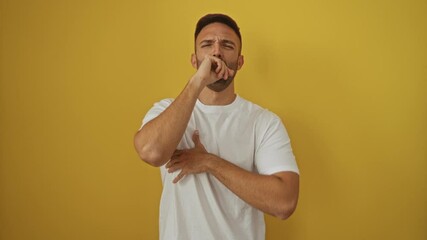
(273, 151)
(156, 110)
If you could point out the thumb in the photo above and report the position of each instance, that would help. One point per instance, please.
(196, 138)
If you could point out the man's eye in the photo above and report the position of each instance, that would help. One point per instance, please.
(205, 45)
(229, 47)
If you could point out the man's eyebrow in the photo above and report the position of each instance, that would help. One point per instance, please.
(224, 41)
(228, 42)
(206, 41)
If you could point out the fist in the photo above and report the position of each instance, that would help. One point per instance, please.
(212, 69)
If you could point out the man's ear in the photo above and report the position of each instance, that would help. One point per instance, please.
(240, 62)
(194, 60)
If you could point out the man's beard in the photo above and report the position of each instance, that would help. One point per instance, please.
(221, 84)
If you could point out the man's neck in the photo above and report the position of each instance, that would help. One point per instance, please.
(210, 97)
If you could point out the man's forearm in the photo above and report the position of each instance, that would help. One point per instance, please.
(158, 139)
(275, 194)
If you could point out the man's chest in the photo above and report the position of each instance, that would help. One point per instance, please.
(228, 136)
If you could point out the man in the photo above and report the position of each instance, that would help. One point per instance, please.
(223, 160)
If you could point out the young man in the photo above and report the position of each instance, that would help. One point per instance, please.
(223, 160)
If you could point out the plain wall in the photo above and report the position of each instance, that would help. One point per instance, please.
(348, 79)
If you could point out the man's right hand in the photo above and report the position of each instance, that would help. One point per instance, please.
(150, 141)
(211, 70)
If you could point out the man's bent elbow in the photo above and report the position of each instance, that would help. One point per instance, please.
(148, 155)
(286, 211)
(153, 159)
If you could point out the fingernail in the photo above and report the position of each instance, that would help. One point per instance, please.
(196, 132)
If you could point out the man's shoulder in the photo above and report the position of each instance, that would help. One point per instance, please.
(251, 106)
(261, 113)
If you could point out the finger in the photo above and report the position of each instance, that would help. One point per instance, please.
(170, 163)
(230, 72)
(175, 165)
(196, 138)
(174, 160)
(179, 177)
(224, 70)
(225, 76)
(218, 64)
(177, 153)
(173, 169)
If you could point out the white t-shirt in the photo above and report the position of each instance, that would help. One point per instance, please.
(199, 206)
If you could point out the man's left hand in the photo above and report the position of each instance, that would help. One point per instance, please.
(190, 161)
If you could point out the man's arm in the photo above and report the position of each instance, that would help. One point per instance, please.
(275, 194)
(156, 141)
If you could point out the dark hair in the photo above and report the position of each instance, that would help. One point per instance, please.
(217, 17)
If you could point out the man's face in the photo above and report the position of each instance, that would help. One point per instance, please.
(219, 40)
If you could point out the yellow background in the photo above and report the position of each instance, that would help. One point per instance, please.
(348, 78)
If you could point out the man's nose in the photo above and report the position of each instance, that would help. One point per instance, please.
(216, 50)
